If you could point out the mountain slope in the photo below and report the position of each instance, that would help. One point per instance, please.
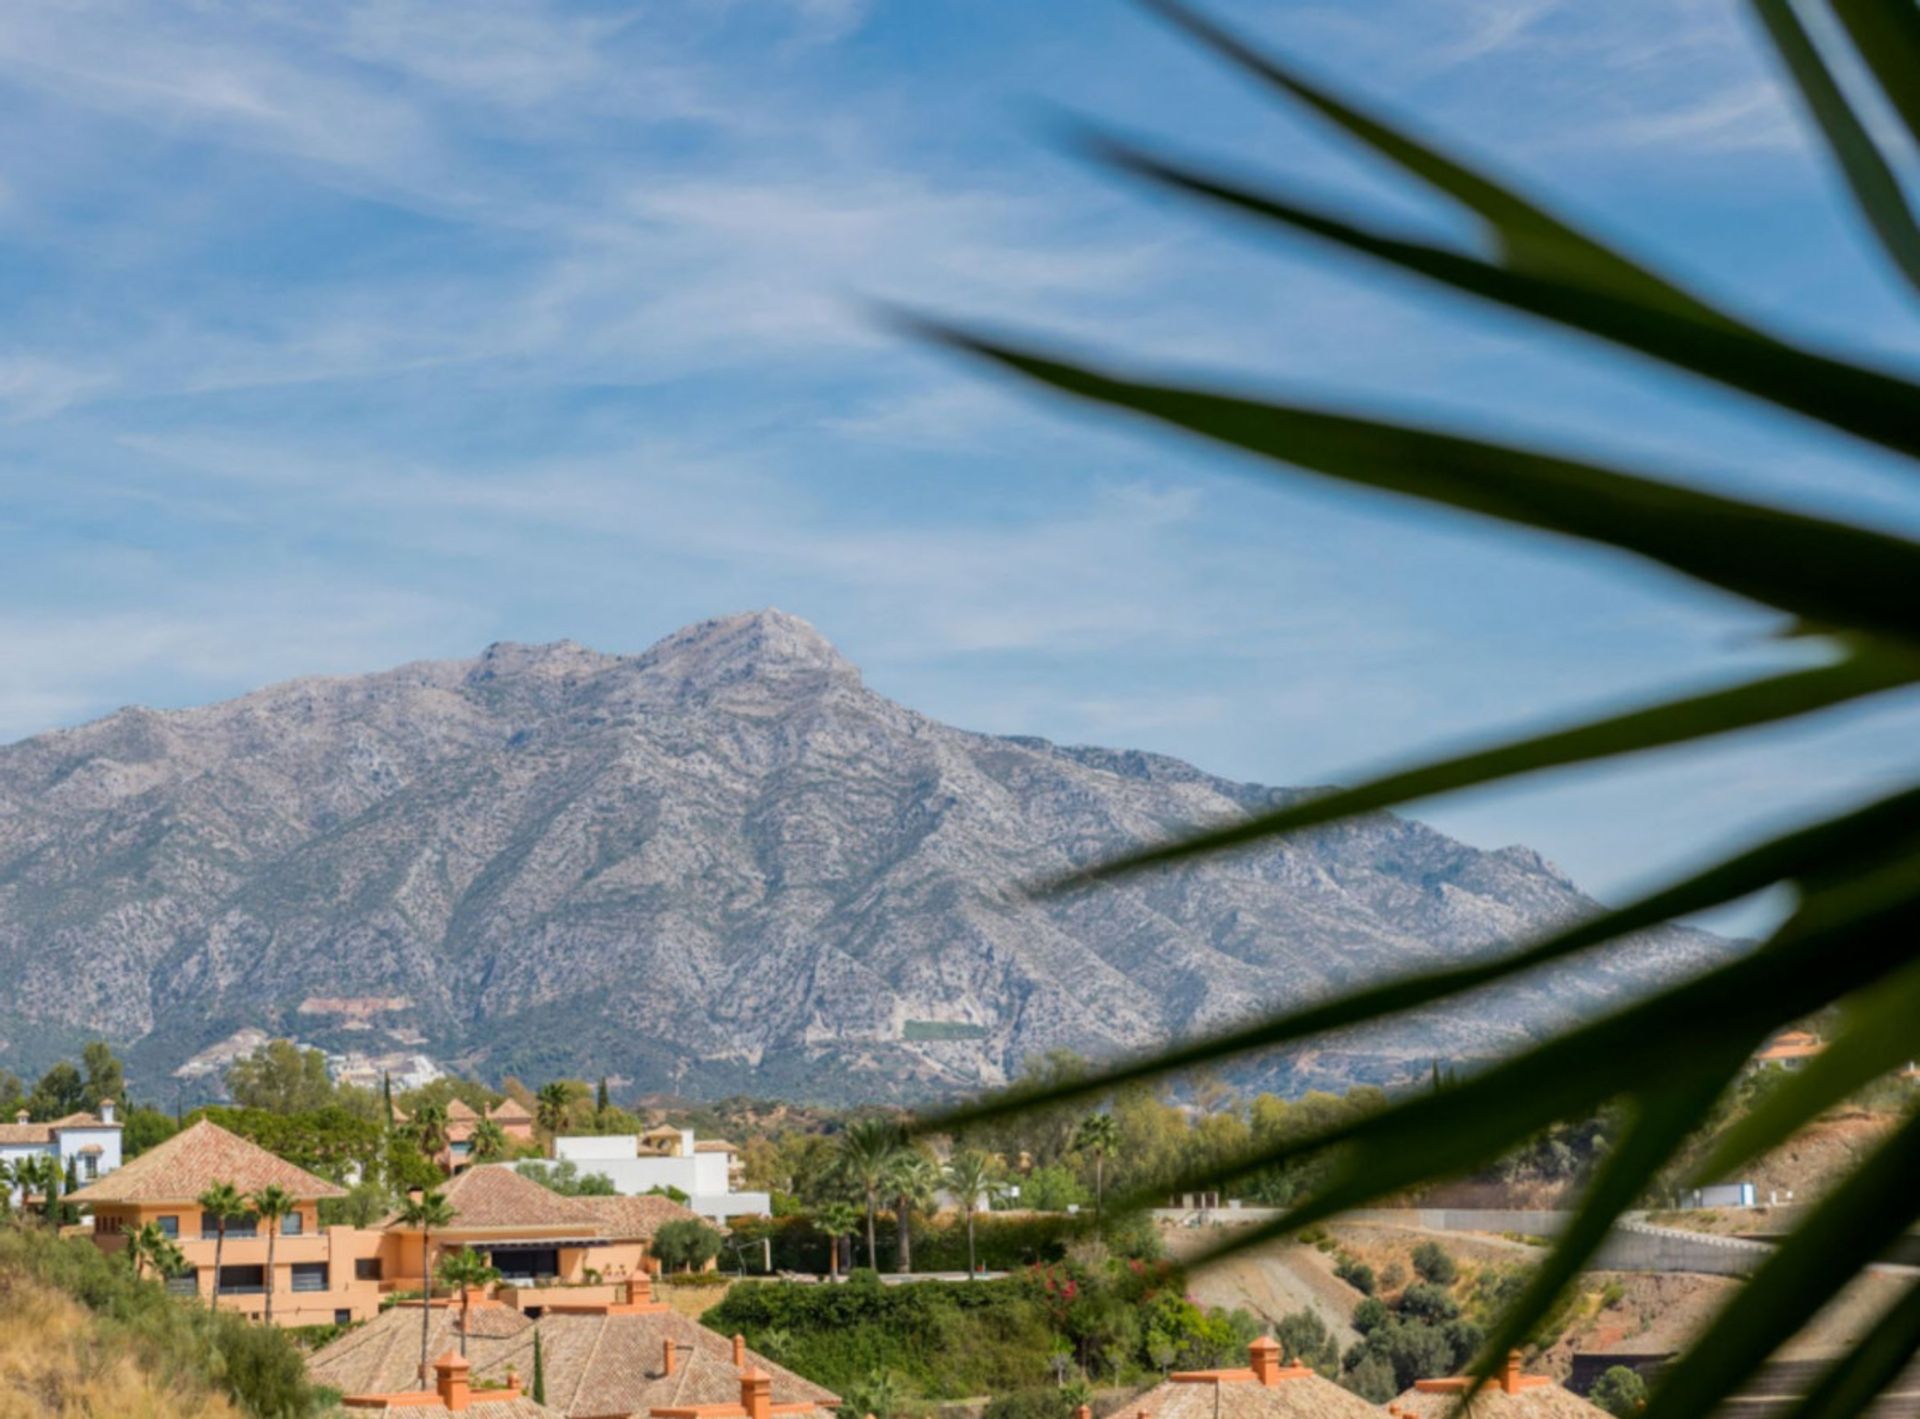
(722, 864)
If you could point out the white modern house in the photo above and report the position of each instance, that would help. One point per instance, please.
(88, 1144)
(666, 1158)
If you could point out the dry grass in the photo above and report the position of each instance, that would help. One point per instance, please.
(54, 1364)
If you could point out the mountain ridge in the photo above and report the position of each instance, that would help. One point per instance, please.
(722, 864)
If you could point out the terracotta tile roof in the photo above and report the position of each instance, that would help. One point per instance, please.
(510, 1110)
(480, 1407)
(460, 1109)
(1509, 1395)
(630, 1218)
(1236, 1394)
(493, 1196)
(197, 1158)
(714, 1145)
(597, 1366)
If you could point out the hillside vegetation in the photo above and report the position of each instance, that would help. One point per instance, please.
(80, 1336)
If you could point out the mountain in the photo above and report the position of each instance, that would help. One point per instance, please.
(723, 865)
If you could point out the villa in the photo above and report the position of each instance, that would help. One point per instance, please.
(319, 1276)
(85, 1146)
(667, 1158)
(550, 1249)
(627, 1358)
(545, 1246)
(515, 1122)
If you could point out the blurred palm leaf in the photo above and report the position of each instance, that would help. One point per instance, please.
(1852, 940)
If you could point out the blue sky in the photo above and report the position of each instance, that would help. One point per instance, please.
(338, 336)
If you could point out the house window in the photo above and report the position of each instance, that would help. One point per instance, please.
(243, 1280)
(168, 1225)
(236, 1226)
(309, 1276)
(89, 1166)
(343, 1318)
(185, 1282)
(291, 1225)
(366, 1268)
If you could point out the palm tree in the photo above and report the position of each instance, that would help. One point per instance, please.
(152, 1247)
(911, 1178)
(489, 1141)
(270, 1204)
(552, 1106)
(866, 1148)
(426, 1211)
(838, 1220)
(971, 1175)
(1099, 1135)
(466, 1270)
(430, 1128)
(223, 1203)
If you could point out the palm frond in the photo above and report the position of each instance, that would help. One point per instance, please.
(1667, 1057)
(1875, 188)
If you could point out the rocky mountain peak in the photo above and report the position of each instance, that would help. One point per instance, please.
(721, 866)
(755, 645)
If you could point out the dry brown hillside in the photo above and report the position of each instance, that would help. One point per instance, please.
(54, 1365)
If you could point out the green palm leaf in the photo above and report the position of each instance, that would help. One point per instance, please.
(1870, 176)
(1867, 403)
(1852, 939)
(1530, 237)
(1888, 39)
(1837, 574)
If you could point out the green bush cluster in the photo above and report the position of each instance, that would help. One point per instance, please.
(1421, 1335)
(259, 1367)
(1054, 1324)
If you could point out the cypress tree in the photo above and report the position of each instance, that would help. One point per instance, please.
(600, 1103)
(386, 1095)
(539, 1370)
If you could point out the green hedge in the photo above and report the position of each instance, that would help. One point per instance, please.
(947, 1340)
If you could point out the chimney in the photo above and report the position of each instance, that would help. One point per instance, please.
(666, 1356)
(513, 1380)
(686, 1143)
(106, 1111)
(1083, 1412)
(20, 1117)
(1264, 1355)
(756, 1393)
(1509, 1375)
(739, 1352)
(639, 1289)
(450, 1378)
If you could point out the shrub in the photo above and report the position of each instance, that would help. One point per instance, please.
(1372, 1379)
(1044, 1402)
(1424, 1301)
(1430, 1259)
(1305, 1339)
(1370, 1315)
(1620, 1391)
(689, 1244)
(1357, 1274)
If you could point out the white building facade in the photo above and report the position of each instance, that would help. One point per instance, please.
(665, 1158)
(85, 1146)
